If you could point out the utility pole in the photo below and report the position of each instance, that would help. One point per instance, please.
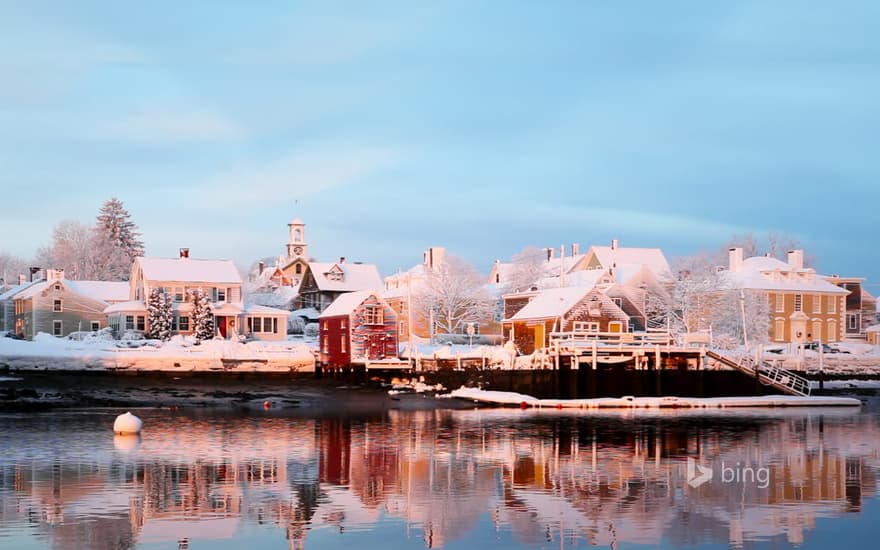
(742, 307)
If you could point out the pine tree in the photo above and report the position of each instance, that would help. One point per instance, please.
(117, 239)
(203, 319)
(159, 308)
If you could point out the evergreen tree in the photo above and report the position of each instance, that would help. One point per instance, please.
(117, 240)
(203, 318)
(159, 308)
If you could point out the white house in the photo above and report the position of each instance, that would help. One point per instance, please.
(177, 277)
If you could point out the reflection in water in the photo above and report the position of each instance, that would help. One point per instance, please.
(541, 479)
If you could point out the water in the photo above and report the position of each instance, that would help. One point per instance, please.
(442, 479)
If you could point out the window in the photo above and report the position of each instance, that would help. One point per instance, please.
(140, 322)
(96, 326)
(342, 324)
(779, 330)
(798, 302)
(817, 303)
(129, 322)
(780, 303)
(57, 328)
(817, 329)
(373, 315)
(221, 294)
(325, 344)
(832, 304)
(832, 330)
(257, 324)
(178, 294)
(275, 325)
(401, 330)
(57, 306)
(852, 322)
(183, 323)
(299, 269)
(582, 326)
(267, 324)
(342, 343)
(57, 286)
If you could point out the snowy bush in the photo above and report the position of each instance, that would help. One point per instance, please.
(311, 330)
(296, 324)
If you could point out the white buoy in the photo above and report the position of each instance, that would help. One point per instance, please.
(127, 424)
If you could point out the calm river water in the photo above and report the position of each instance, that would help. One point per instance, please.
(442, 479)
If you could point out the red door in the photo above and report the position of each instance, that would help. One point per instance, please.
(376, 349)
(221, 324)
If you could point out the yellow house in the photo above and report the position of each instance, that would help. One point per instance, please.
(873, 335)
(803, 306)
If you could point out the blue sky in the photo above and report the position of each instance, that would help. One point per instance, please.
(480, 126)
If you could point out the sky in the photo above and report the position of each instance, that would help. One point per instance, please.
(484, 127)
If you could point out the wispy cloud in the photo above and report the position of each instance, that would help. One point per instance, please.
(292, 176)
(173, 126)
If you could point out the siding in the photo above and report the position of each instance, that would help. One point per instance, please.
(832, 322)
(78, 311)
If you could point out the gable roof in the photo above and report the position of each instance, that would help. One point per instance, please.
(354, 276)
(652, 258)
(346, 303)
(102, 291)
(552, 302)
(189, 270)
(15, 290)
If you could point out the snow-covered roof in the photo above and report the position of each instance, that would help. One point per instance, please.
(348, 302)
(307, 312)
(652, 258)
(105, 291)
(124, 307)
(763, 273)
(550, 268)
(873, 328)
(552, 302)
(354, 276)
(263, 310)
(15, 290)
(189, 270)
(280, 296)
(583, 278)
(102, 291)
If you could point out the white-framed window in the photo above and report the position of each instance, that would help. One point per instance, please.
(129, 322)
(585, 326)
(852, 322)
(178, 294)
(267, 324)
(57, 305)
(342, 343)
(617, 301)
(817, 330)
(798, 302)
(832, 304)
(780, 303)
(779, 330)
(256, 324)
(183, 323)
(374, 315)
(221, 294)
(141, 322)
(817, 303)
(96, 326)
(57, 328)
(832, 330)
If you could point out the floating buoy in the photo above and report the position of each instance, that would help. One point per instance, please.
(267, 405)
(523, 405)
(127, 423)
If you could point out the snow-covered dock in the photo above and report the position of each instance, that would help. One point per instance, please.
(628, 402)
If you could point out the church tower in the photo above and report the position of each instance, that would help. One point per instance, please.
(296, 242)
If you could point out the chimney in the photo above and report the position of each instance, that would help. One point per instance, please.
(549, 253)
(575, 249)
(22, 279)
(54, 274)
(342, 260)
(736, 259)
(796, 259)
(614, 244)
(33, 271)
(260, 268)
(184, 252)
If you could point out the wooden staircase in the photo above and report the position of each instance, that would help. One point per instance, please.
(769, 374)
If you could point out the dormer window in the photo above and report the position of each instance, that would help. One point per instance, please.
(57, 286)
(374, 315)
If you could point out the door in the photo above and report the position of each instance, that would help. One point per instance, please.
(221, 325)
(376, 347)
(539, 336)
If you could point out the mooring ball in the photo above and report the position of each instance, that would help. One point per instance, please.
(127, 424)
(267, 405)
(523, 405)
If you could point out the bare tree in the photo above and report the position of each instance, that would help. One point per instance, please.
(10, 268)
(527, 269)
(774, 244)
(454, 295)
(71, 249)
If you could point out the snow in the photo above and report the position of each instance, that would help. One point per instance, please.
(309, 313)
(629, 402)
(552, 302)
(761, 273)
(189, 270)
(102, 291)
(255, 309)
(346, 303)
(281, 297)
(120, 307)
(586, 278)
(873, 328)
(355, 276)
(15, 290)
(652, 258)
(47, 352)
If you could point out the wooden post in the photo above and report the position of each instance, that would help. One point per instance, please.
(595, 358)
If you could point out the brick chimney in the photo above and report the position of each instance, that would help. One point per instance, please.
(614, 244)
(796, 259)
(341, 260)
(575, 249)
(736, 259)
(184, 252)
(54, 274)
(549, 253)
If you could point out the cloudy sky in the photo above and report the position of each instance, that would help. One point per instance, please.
(480, 126)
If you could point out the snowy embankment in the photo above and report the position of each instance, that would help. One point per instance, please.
(629, 402)
(180, 355)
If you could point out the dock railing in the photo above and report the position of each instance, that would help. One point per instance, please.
(570, 340)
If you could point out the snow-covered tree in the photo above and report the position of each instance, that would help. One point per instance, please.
(203, 318)
(117, 240)
(454, 294)
(527, 269)
(161, 316)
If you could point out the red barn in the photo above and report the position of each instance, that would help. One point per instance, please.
(357, 327)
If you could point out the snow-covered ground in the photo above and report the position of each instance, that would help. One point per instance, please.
(510, 398)
(98, 353)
